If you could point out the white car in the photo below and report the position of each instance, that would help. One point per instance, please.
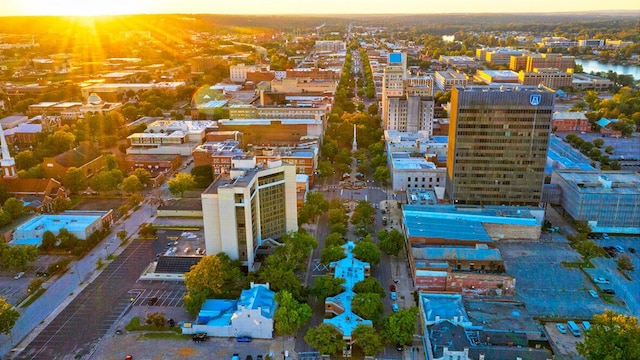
(593, 293)
(18, 275)
(561, 328)
(619, 248)
(600, 280)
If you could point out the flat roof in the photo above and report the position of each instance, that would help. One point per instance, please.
(480, 253)
(267, 122)
(412, 164)
(622, 182)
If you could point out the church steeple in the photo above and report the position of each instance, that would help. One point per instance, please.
(7, 163)
(354, 148)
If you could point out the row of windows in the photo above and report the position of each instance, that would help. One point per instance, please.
(423, 179)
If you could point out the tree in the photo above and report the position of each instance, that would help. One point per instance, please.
(8, 316)
(327, 285)
(4, 193)
(111, 162)
(61, 204)
(13, 207)
(334, 239)
(331, 254)
(369, 285)
(363, 213)
(391, 242)
(75, 180)
(203, 281)
(203, 175)
(368, 305)
(156, 320)
(326, 339)
(122, 235)
(280, 279)
(132, 184)
(26, 160)
(400, 326)
(314, 205)
(290, 315)
(382, 174)
(624, 263)
(612, 336)
(180, 183)
(17, 257)
(367, 339)
(48, 240)
(598, 142)
(106, 180)
(143, 175)
(339, 229)
(5, 218)
(338, 216)
(367, 251)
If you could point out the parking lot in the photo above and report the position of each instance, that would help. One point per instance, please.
(564, 344)
(549, 288)
(116, 347)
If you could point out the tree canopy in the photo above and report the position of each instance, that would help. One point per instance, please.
(327, 285)
(290, 315)
(400, 326)
(612, 337)
(326, 339)
(367, 251)
(391, 242)
(368, 305)
(370, 285)
(8, 316)
(180, 183)
(367, 339)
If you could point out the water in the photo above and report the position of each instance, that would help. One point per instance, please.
(596, 66)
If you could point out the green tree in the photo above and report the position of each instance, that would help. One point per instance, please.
(111, 162)
(363, 213)
(598, 142)
(156, 320)
(391, 242)
(5, 218)
(327, 285)
(204, 280)
(8, 316)
(17, 257)
(143, 175)
(66, 240)
(290, 315)
(48, 240)
(132, 184)
(368, 305)
(367, 251)
(314, 205)
(339, 229)
(338, 216)
(13, 207)
(624, 263)
(612, 336)
(367, 339)
(334, 239)
(369, 285)
(326, 339)
(106, 180)
(26, 160)
(61, 204)
(399, 327)
(233, 277)
(4, 193)
(75, 180)
(122, 235)
(180, 183)
(382, 174)
(203, 175)
(331, 254)
(281, 278)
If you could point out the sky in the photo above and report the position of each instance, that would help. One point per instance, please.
(259, 7)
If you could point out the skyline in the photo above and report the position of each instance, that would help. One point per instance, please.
(291, 7)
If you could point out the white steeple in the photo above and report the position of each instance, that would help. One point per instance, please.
(355, 144)
(7, 163)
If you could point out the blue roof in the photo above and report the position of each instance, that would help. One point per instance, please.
(213, 104)
(459, 253)
(352, 271)
(562, 156)
(217, 312)
(259, 297)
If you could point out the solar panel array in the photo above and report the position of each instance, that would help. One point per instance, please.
(176, 264)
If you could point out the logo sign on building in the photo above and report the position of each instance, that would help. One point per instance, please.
(534, 99)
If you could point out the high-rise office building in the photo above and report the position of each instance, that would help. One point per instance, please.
(407, 102)
(498, 139)
(248, 206)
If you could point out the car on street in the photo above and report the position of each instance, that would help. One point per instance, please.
(399, 347)
(609, 291)
(394, 307)
(632, 250)
(394, 295)
(152, 301)
(392, 287)
(600, 280)
(249, 357)
(605, 236)
(243, 339)
(593, 293)
(18, 275)
(199, 337)
(235, 357)
(259, 357)
(561, 328)
(619, 248)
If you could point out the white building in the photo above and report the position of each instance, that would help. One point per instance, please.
(249, 205)
(238, 73)
(251, 315)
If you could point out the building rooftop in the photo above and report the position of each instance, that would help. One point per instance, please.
(259, 297)
(70, 220)
(440, 307)
(412, 164)
(267, 122)
(562, 156)
(596, 182)
(569, 115)
(480, 252)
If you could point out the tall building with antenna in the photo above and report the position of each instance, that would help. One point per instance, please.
(7, 162)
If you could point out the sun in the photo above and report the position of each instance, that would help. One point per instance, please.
(84, 7)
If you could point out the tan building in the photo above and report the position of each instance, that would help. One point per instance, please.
(557, 61)
(551, 78)
(446, 80)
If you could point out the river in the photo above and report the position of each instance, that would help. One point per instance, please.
(596, 66)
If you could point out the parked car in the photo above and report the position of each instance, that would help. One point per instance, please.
(235, 357)
(619, 248)
(394, 307)
(605, 236)
(399, 347)
(561, 328)
(394, 295)
(392, 287)
(259, 357)
(129, 357)
(199, 337)
(600, 280)
(609, 291)
(632, 250)
(249, 357)
(586, 326)
(243, 339)
(152, 301)
(593, 293)
(18, 275)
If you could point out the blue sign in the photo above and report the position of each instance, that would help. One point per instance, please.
(534, 99)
